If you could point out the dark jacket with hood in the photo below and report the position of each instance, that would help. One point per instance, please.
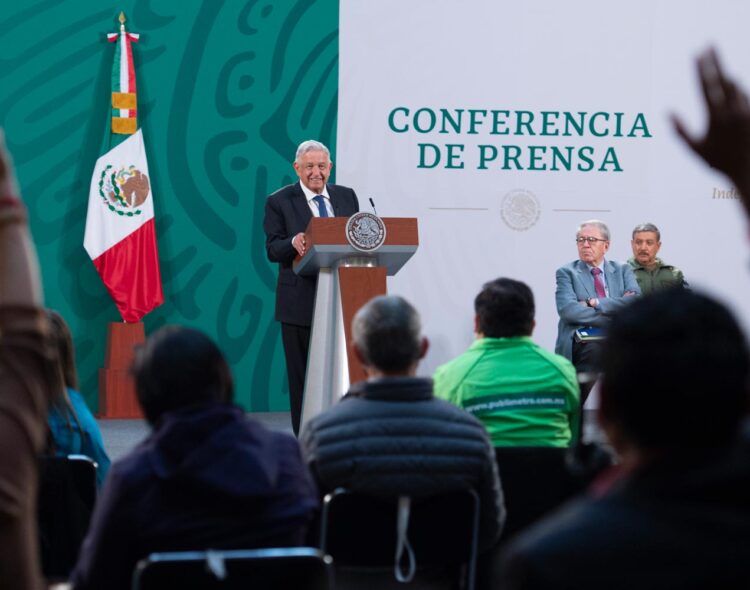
(207, 477)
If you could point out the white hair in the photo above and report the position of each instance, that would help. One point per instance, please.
(311, 146)
(598, 224)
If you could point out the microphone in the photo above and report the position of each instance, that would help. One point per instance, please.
(373, 205)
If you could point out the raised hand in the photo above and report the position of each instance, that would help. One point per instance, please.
(8, 186)
(19, 269)
(726, 143)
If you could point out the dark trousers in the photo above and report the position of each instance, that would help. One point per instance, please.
(586, 361)
(296, 340)
(586, 356)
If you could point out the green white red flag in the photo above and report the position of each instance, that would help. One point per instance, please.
(120, 235)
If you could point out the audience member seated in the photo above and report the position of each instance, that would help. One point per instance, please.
(389, 436)
(28, 380)
(65, 503)
(649, 270)
(73, 428)
(676, 514)
(527, 398)
(206, 477)
(524, 395)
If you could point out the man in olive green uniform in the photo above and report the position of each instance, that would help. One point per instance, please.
(650, 272)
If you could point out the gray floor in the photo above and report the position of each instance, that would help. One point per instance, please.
(120, 436)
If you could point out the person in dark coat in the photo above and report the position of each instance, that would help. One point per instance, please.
(206, 477)
(389, 436)
(676, 513)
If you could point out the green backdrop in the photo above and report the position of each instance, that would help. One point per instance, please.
(226, 90)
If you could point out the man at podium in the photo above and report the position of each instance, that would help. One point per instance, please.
(288, 211)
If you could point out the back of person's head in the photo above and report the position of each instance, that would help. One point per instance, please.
(387, 333)
(179, 367)
(676, 371)
(65, 376)
(65, 351)
(505, 308)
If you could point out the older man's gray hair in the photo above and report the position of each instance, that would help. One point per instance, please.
(311, 146)
(388, 333)
(600, 225)
(650, 227)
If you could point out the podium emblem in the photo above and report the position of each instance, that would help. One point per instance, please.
(365, 231)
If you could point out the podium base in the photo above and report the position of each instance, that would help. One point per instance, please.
(331, 365)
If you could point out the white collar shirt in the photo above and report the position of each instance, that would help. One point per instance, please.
(309, 195)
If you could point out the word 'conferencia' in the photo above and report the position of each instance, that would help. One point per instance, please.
(541, 155)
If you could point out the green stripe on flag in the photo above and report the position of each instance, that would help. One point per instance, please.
(116, 139)
(116, 65)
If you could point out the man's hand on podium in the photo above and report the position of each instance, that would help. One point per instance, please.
(300, 243)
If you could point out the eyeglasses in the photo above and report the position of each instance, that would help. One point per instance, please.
(590, 239)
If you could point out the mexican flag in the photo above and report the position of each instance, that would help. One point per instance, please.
(120, 235)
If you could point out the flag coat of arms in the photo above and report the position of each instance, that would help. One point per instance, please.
(120, 235)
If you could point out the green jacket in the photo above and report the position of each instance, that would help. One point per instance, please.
(662, 277)
(524, 395)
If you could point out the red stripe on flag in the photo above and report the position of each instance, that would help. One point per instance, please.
(130, 271)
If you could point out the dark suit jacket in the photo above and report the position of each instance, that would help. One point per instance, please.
(576, 283)
(287, 214)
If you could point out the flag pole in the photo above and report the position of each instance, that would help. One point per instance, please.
(121, 191)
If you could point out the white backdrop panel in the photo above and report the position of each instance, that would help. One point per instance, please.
(575, 56)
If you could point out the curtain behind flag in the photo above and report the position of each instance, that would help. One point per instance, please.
(120, 235)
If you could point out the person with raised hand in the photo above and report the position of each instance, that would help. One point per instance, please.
(725, 145)
(27, 380)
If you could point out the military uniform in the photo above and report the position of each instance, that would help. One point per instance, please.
(662, 277)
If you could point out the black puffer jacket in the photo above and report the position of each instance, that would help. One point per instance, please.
(391, 437)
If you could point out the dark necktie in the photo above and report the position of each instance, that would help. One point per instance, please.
(320, 201)
(598, 284)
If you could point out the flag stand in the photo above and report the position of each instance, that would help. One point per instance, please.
(117, 398)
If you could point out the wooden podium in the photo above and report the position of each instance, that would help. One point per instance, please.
(347, 279)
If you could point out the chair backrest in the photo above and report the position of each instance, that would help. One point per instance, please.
(535, 480)
(67, 493)
(360, 532)
(83, 470)
(298, 568)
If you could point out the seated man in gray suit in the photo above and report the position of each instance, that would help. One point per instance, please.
(588, 291)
